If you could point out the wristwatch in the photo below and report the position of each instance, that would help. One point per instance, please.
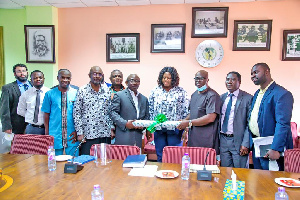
(190, 124)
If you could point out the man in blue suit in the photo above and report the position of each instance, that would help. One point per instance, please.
(271, 113)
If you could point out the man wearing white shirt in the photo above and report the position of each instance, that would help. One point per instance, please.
(234, 134)
(30, 104)
(129, 105)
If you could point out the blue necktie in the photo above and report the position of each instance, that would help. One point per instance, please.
(227, 113)
(25, 87)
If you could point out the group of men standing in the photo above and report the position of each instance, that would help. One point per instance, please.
(97, 113)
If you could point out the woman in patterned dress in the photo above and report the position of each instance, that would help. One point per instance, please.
(171, 100)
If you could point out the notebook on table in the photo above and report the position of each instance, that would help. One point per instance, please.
(135, 161)
(82, 159)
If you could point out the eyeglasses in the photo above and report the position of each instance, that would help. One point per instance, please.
(134, 81)
(199, 78)
(21, 71)
(97, 74)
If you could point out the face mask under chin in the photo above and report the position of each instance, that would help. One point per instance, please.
(204, 87)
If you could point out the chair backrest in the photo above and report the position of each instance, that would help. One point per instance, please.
(295, 135)
(151, 139)
(31, 144)
(118, 152)
(173, 154)
(292, 160)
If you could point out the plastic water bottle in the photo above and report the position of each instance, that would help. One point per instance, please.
(51, 159)
(281, 194)
(97, 193)
(185, 170)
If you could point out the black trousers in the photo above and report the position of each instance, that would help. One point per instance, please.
(85, 147)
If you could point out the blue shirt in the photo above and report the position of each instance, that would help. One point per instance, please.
(52, 105)
(21, 86)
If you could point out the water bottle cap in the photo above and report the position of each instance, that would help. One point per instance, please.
(96, 187)
(186, 154)
(281, 189)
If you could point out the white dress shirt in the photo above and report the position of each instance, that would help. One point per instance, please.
(27, 104)
(136, 102)
(231, 115)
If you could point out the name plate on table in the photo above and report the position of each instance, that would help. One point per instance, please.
(170, 125)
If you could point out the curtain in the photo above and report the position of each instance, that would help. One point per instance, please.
(2, 81)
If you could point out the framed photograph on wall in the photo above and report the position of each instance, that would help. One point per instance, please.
(40, 43)
(123, 47)
(209, 22)
(291, 45)
(167, 38)
(252, 35)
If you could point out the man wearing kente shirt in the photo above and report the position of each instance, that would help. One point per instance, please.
(58, 118)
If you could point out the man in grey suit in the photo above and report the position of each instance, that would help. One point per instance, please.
(234, 134)
(127, 106)
(11, 121)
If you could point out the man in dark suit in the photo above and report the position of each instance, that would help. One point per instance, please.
(271, 113)
(234, 134)
(129, 105)
(11, 121)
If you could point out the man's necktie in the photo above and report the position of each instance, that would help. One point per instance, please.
(25, 87)
(227, 113)
(37, 106)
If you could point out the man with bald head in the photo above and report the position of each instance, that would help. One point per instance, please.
(58, 114)
(129, 105)
(204, 114)
(92, 111)
(271, 113)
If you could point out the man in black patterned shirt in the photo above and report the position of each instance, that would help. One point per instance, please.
(91, 111)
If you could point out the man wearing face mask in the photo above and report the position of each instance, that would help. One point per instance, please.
(11, 121)
(204, 114)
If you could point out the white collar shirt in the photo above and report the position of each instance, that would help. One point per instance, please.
(136, 102)
(231, 115)
(27, 102)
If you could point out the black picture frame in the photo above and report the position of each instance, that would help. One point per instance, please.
(252, 35)
(40, 43)
(291, 45)
(123, 47)
(209, 22)
(168, 38)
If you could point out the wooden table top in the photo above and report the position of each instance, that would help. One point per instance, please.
(32, 180)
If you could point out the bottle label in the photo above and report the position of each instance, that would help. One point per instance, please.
(186, 165)
(50, 155)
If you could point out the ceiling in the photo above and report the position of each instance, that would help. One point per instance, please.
(20, 4)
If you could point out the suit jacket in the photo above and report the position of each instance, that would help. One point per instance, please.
(8, 109)
(274, 116)
(240, 121)
(123, 109)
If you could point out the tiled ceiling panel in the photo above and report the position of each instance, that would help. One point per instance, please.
(19, 4)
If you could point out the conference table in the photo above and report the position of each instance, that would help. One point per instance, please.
(32, 180)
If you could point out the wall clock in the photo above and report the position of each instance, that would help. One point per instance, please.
(209, 53)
